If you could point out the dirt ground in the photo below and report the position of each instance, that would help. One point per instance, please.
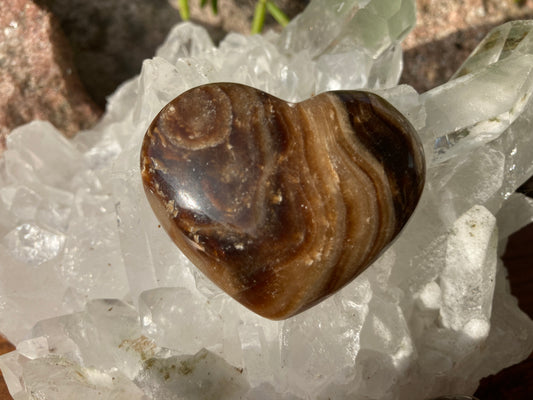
(446, 32)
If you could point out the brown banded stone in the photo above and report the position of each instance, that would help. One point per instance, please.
(281, 204)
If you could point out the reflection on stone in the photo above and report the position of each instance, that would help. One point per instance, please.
(281, 204)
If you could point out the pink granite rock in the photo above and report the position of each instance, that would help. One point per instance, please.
(37, 77)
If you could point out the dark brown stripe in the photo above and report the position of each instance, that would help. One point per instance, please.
(393, 141)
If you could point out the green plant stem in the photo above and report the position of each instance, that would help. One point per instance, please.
(183, 7)
(261, 8)
(280, 17)
(259, 17)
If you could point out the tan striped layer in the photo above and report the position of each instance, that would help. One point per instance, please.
(281, 204)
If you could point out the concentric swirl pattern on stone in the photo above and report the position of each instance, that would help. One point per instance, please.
(281, 204)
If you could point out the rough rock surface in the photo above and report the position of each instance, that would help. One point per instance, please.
(5, 347)
(111, 38)
(446, 32)
(101, 32)
(37, 77)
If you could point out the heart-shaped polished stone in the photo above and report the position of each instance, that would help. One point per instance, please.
(281, 204)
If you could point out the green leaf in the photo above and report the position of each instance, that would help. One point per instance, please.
(183, 8)
(259, 17)
(203, 3)
(276, 12)
(214, 6)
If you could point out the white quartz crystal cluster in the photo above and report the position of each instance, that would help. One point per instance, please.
(101, 304)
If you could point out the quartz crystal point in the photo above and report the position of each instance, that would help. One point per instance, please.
(486, 95)
(406, 328)
(281, 204)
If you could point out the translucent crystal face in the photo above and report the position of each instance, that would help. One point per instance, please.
(76, 228)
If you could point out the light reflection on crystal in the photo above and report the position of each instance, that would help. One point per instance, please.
(397, 332)
(33, 245)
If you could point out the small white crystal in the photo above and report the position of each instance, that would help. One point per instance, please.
(166, 315)
(468, 278)
(24, 203)
(34, 348)
(32, 244)
(53, 158)
(202, 376)
(430, 297)
(57, 378)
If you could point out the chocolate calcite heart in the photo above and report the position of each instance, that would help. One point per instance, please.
(281, 204)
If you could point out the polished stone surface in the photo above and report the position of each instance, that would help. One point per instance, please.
(281, 204)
